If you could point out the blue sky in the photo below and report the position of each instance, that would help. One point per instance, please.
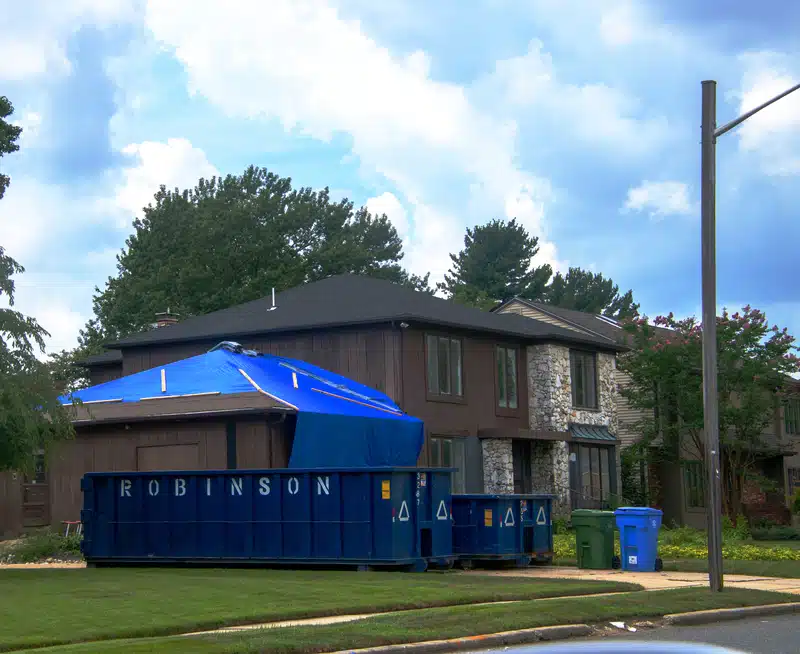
(578, 117)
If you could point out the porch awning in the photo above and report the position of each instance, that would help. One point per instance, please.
(591, 433)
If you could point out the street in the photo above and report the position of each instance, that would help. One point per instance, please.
(774, 635)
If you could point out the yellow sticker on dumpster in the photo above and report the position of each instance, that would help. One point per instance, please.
(386, 489)
(487, 517)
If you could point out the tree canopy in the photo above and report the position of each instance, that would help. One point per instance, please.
(583, 290)
(31, 417)
(9, 134)
(755, 362)
(496, 264)
(231, 240)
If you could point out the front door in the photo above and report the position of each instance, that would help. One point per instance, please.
(36, 496)
(521, 453)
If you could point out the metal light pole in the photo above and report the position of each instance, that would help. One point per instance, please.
(708, 180)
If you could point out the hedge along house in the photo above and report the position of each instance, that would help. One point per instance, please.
(226, 409)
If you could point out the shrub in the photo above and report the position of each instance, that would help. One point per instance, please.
(561, 526)
(43, 545)
(774, 532)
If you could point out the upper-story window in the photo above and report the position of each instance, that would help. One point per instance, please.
(507, 384)
(791, 417)
(583, 370)
(444, 364)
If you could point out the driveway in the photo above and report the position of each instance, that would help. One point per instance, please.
(652, 580)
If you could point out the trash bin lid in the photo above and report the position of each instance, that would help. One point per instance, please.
(591, 513)
(637, 510)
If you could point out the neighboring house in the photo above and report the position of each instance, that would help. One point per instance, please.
(679, 489)
(494, 391)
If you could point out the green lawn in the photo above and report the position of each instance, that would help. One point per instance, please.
(789, 569)
(449, 622)
(40, 607)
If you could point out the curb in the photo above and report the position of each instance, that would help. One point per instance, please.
(501, 639)
(719, 615)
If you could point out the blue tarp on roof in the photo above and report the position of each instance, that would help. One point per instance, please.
(340, 423)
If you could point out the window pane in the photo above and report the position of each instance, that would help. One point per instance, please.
(585, 488)
(589, 386)
(436, 457)
(455, 359)
(460, 462)
(605, 477)
(511, 377)
(444, 365)
(578, 382)
(596, 488)
(502, 397)
(433, 365)
(447, 453)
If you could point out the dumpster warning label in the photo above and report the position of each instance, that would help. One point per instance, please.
(633, 560)
(541, 518)
(487, 517)
(509, 521)
(441, 512)
(403, 515)
(386, 489)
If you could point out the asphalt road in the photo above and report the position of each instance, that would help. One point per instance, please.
(766, 635)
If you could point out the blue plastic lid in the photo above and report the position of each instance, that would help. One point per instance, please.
(637, 510)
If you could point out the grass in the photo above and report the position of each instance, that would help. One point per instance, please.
(41, 607)
(452, 622)
(789, 569)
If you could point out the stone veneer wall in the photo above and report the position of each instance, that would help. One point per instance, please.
(498, 466)
(550, 408)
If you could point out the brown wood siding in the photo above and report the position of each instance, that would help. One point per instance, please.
(535, 314)
(627, 432)
(103, 374)
(10, 504)
(478, 410)
(115, 449)
(260, 444)
(167, 457)
(370, 356)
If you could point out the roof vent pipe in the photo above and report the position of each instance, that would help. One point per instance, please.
(273, 307)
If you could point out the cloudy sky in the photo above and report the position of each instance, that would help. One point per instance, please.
(578, 117)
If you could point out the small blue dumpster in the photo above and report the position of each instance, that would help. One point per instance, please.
(513, 528)
(638, 538)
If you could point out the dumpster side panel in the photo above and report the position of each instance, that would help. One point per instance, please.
(326, 516)
(541, 516)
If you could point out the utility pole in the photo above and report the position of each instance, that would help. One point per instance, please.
(708, 219)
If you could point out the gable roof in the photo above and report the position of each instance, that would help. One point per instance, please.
(588, 322)
(350, 300)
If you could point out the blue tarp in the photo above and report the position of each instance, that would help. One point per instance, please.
(340, 423)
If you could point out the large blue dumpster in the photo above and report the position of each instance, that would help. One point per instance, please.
(362, 517)
(638, 538)
(513, 528)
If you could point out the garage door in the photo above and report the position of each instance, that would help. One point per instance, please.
(167, 457)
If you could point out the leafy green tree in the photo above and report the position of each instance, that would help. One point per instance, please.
(8, 138)
(583, 290)
(231, 240)
(31, 417)
(755, 362)
(496, 264)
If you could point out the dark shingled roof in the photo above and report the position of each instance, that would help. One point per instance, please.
(109, 357)
(350, 300)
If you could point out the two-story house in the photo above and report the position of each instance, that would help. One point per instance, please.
(679, 488)
(516, 405)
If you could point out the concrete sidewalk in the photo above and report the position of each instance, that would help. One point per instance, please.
(651, 580)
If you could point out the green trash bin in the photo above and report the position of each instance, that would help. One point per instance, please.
(594, 539)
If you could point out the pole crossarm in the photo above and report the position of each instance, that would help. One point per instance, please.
(734, 123)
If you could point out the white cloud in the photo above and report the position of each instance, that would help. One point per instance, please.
(660, 199)
(176, 163)
(34, 33)
(594, 114)
(387, 203)
(774, 133)
(37, 220)
(300, 62)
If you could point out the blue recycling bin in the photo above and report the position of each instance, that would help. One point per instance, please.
(638, 538)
